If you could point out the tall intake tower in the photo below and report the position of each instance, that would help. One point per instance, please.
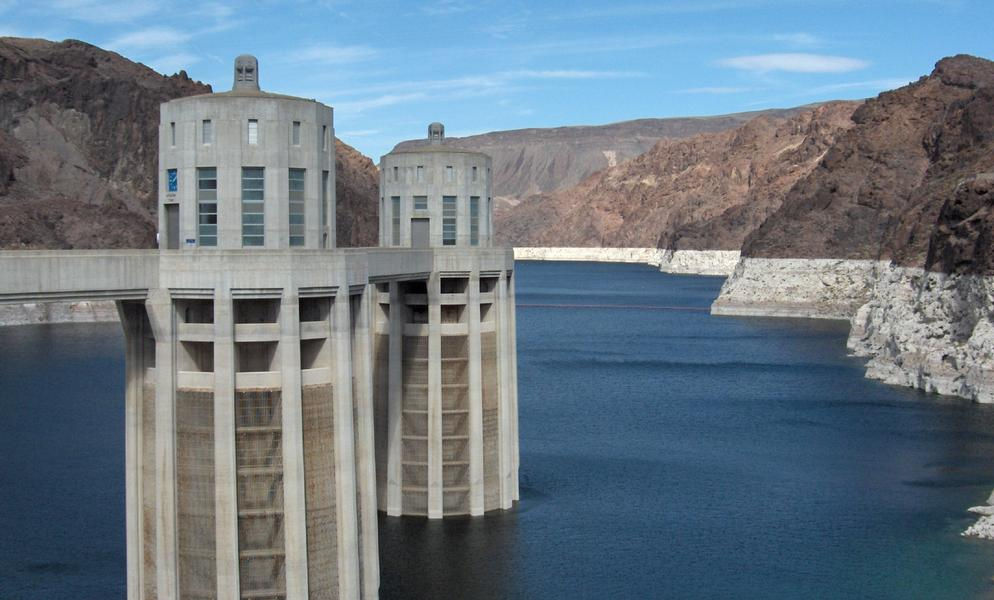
(280, 390)
(446, 391)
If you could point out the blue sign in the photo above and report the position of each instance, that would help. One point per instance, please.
(173, 180)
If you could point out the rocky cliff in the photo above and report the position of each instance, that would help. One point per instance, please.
(357, 185)
(908, 193)
(78, 150)
(78, 145)
(706, 192)
(535, 161)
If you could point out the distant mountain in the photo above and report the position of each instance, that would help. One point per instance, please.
(534, 161)
(707, 191)
(79, 150)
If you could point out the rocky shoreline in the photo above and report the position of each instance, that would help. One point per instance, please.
(930, 331)
(58, 312)
(688, 262)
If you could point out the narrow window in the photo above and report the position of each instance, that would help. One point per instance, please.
(450, 175)
(421, 203)
(395, 201)
(396, 173)
(324, 137)
(324, 208)
(253, 206)
(474, 220)
(207, 131)
(421, 174)
(297, 207)
(474, 173)
(172, 134)
(253, 131)
(207, 206)
(295, 133)
(448, 220)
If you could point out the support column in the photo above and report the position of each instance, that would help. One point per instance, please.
(134, 374)
(365, 446)
(348, 555)
(504, 396)
(434, 398)
(395, 402)
(476, 485)
(225, 465)
(294, 503)
(163, 318)
(513, 351)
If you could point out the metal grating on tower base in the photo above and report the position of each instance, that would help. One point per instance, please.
(319, 464)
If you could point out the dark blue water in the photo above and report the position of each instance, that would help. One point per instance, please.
(664, 453)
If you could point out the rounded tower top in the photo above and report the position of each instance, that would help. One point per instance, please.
(246, 73)
(436, 132)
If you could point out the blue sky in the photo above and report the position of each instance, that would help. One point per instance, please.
(389, 68)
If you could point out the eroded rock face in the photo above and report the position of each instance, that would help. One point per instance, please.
(705, 192)
(932, 331)
(879, 190)
(357, 184)
(79, 150)
(80, 155)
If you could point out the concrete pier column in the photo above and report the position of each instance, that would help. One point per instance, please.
(163, 320)
(225, 466)
(395, 444)
(515, 442)
(434, 398)
(294, 505)
(133, 399)
(362, 355)
(348, 543)
(504, 350)
(475, 372)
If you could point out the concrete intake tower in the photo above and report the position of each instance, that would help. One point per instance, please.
(280, 391)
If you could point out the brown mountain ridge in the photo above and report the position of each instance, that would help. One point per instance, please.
(78, 150)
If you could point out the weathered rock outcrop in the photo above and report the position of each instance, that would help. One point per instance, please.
(78, 151)
(357, 184)
(706, 192)
(690, 262)
(909, 189)
(79, 148)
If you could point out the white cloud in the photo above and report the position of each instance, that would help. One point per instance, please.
(153, 37)
(874, 84)
(358, 106)
(716, 90)
(103, 11)
(173, 63)
(569, 74)
(446, 7)
(795, 63)
(798, 39)
(331, 55)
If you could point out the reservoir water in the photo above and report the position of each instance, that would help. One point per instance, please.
(664, 453)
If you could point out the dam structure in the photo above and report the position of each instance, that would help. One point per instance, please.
(280, 391)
